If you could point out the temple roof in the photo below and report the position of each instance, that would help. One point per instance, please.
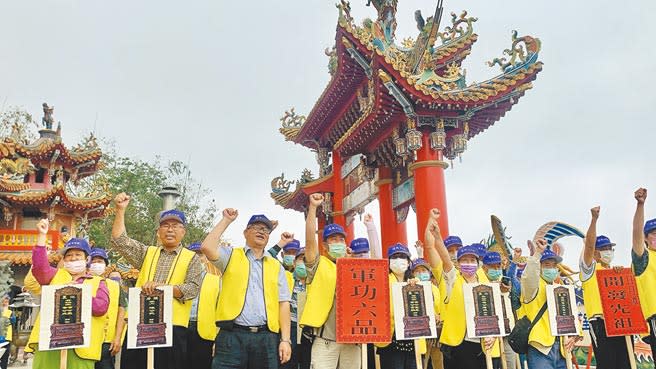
(25, 257)
(95, 203)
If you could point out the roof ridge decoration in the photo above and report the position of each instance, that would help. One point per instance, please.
(291, 124)
(522, 52)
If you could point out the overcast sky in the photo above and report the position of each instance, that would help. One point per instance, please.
(206, 82)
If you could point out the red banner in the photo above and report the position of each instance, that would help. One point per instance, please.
(620, 301)
(363, 301)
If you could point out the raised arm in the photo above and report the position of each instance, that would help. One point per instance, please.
(590, 237)
(439, 246)
(121, 201)
(372, 235)
(41, 269)
(311, 245)
(211, 244)
(430, 250)
(531, 276)
(638, 221)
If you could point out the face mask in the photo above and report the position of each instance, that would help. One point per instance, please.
(549, 274)
(607, 256)
(97, 268)
(399, 266)
(423, 276)
(75, 267)
(300, 271)
(453, 257)
(337, 250)
(494, 274)
(288, 260)
(468, 269)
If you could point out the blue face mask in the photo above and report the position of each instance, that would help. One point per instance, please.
(494, 274)
(337, 250)
(300, 271)
(549, 274)
(288, 260)
(424, 276)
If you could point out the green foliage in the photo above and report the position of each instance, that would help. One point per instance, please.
(142, 181)
(6, 277)
(18, 123)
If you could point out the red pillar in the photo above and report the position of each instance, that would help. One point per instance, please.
(391, 231)
(429, 186)
(338, 197)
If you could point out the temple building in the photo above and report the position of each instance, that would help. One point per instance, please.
(44, 178)
(394, 116)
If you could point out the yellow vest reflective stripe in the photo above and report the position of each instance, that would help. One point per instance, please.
(320, 294)
(177, 275)
(112, 310)
(8, 334)
(591, 294)
(235, 283)
(645, 283)
(97, 322)
(207, 303)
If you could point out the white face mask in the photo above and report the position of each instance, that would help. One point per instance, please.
(399, 266)
(75, 267)
(607, 256)
(97, 268)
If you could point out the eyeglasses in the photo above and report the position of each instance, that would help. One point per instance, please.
(260, 229)
(171, 226)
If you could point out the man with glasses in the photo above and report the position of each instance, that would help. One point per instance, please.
(168, 264)
(253, 310)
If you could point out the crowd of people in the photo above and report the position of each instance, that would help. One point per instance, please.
(275, 307)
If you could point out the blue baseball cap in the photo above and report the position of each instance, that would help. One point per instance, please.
(77, 244)
(603, 241)
(292, 245)
(260, 218)
(452, 241)
(650, 226)
(173, 214)
(194, 246)
(548, 254)
(466, 250)
(481, 249)
(491, 258)
(419, 262)
(359, 245)
(98, 252)
(398, 249)
(333, 229)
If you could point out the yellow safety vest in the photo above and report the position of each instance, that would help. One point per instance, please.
(541, 332)
(93, 351)
(8, 334)
(645, 283)
(454, 323)
(235, 283)
(207, 306)
(177, 275)
(591, 294)
(290, 280)
(320, 294)
(112, 311)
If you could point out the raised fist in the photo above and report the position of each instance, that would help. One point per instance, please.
(230, 214)
(316, 199)
(540, 245)
(43, 226)
(121, 201)
(368, 219)
(517, 253)
(595, 212)
(640, 195)
(286, 237)
(434, 213)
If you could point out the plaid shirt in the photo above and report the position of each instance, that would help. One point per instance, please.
(134, 252)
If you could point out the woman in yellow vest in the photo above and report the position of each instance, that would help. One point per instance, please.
(545, 350)
(75, 256)
(460, 351)
(643, 258)
(422, 271)
(610, 352)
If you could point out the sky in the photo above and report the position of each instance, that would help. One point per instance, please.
(206, 82)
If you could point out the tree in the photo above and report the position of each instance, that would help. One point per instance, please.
(17, 123)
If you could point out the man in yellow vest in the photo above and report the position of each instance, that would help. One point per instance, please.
(610, 352)
(202, 329)
(319, 312)
(644, 263)
(253, 309)
(169, 264)
(114, 318)
(545, 351)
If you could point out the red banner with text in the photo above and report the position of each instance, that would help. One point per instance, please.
(619, 299)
